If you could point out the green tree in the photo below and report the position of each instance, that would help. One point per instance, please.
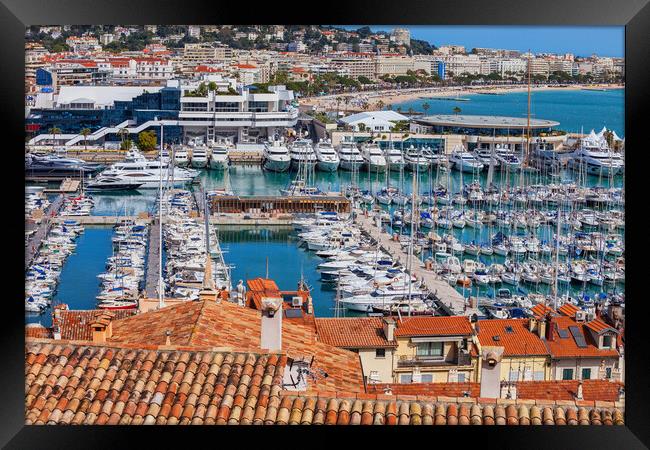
(425, 107)
(362, 127)
(126, 144)
(54, 131)
(456, 110)
(212, 86)
(85, 132)
(380, 105)
(147, 141)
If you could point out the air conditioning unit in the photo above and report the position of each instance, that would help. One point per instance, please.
(589, 317)
(581, 316)
(296, 301)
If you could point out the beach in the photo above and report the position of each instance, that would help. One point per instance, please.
(392, 96)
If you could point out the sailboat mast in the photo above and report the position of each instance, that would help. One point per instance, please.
(528, 117)
(410, 254)
(161, 288)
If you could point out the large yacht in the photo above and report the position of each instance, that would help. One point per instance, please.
(465, 161)
(594, 155)
(434, 157)
(328, 159)
(199, 156)
(350, 156)
(54, 166)
(373, 157)
(219, 157)
(117, 183)
(181, 158)
(276, 156)
(394, 158)
(507, 157)
(302, 154)
(415, 160)
(139, 169)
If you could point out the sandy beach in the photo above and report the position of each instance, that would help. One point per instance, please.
(357, 100)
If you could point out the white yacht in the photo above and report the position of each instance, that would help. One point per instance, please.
(219, 157)
(484, 154)
(302, 154)
(181, 158)
(276, 156)
(594, 155)
(415, 160)
(465, 161)
(139, 169)
(373, 157)
(328, 159)
(433, 157)
(394, 158)
(199, 158)
(350, 156)
(507, 157)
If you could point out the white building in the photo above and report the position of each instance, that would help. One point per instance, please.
(194, 31)
(402, 36)
(106, 38)
(376, 121)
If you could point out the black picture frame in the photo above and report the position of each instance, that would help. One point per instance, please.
(16, 14)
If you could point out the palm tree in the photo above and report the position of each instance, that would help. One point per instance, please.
(54, 131)
(85, 132)
(425, 107)
(346, 100)
(399, 109)
(411, 111)
(380, 105)
(456, 110)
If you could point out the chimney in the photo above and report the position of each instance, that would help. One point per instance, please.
(532, 325)
(550, 332)
(168, 340)
(509, 390)
(541, 328)
(271, 334)
(579, 393)
(102, 327)
(388, 324)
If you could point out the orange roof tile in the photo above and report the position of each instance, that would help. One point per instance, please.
(353, 332)
(540, 310)
(37, 331)
(427, 389)
(599, 326)
(568, 310)
(597, 390)
(225, 324)
(75, 325)
(433, 326)
(567, 348)
(513, 335)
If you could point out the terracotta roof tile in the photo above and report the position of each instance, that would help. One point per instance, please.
(511, 334)
(433, 326)
(352, 332)
(567, 347)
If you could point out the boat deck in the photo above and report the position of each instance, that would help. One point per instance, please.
(447, 294)
(34, 242)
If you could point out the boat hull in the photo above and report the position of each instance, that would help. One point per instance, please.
(276, 165)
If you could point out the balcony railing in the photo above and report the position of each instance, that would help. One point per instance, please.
(429, 361)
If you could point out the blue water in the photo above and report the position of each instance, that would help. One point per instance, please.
(79, 285)
(248, 249)
(574, 109)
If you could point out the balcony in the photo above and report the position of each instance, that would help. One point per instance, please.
(463, 359)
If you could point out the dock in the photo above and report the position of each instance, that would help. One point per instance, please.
(151, 281)
(68, 186)
(447, 294)
(42, 228)
(103, 220)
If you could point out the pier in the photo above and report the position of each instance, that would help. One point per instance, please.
(42, 228)
(280, 204)
(151, 280)
(68, 186)
(446, 293)
(103, 220)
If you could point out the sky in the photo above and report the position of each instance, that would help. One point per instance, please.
(581, 41)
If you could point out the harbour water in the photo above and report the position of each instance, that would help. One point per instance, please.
(247, 249)
(574, 109)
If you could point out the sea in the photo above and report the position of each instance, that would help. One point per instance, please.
(256, 251)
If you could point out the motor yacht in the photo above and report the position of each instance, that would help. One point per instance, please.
(199, 158)
(394, 158)
(117, 183)
(373, 157)
(465, 161)
(139, 169)
(350, 156)
(219, 159)
(54, 166)
(328, 159)
(276, 156)
(302, 154)
(415, 160)
(594, 155)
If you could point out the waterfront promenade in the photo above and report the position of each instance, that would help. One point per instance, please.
(34, 242)
(447, 294)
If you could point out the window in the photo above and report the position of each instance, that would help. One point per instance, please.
(380, 353)
(258, 106)
(586, 374)
(514, 375)
(608, 373)
(538, 375)
(429, 350)
(426, 378)
(406, 378)
(461, 377)
(567, 374)
(374, 375)
(607, 341)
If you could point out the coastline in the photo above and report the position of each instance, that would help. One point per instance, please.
(393, 96)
